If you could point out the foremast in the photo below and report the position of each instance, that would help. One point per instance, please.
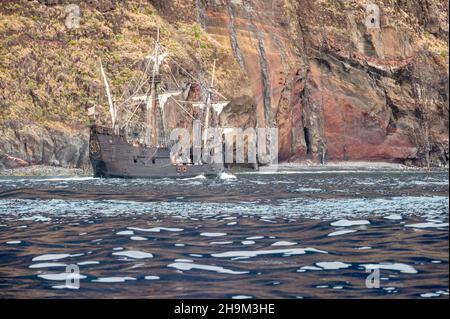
(208, 107)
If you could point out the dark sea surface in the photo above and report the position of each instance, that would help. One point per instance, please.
(290, 234)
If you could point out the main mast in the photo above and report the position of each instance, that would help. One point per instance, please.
(152, 120)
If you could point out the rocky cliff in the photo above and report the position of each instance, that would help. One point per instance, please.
(337, 89)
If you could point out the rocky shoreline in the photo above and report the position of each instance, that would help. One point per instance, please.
(45, 170)
(53, 171)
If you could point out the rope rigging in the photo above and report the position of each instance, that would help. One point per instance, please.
(147, 78)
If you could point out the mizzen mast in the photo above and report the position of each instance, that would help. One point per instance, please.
(152, 103)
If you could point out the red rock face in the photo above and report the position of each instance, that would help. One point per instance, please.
(259, 47)
(336, 89)
(356, 121)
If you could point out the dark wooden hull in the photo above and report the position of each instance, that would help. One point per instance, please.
(112, 156)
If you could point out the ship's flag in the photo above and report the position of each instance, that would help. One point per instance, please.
(91, 111)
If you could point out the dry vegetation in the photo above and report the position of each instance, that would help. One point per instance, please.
(50, 75)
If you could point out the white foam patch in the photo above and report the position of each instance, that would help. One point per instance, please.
(248, 242)
(350, 223)
(135, 254)
(255, 253)
(255, 237)
(217, 269)
(89, 262)
(113, 279)
(138, 238)
(213, 234)
(226, 217)
(47, 265)
(309, 268)
(227, 176)
(430, 295)
(125, 233)
(394, 217)
(428, 225)
(152, 278)
(48, 257)
(307, 190)
(403, 268)
(14, 242)
(221, 243)
(429, 183)
(198, 177)
(342, 232)
(156, 229)
(285, 243)
(36, 218)
(334, 265)
(242, 297)
(62, 276)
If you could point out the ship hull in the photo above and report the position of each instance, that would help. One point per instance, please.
(112, 156)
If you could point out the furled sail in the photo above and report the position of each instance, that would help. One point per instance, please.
(162, 102)
(163, 98)
(219, 106)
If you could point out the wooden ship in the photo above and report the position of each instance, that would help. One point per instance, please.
(115, 154)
